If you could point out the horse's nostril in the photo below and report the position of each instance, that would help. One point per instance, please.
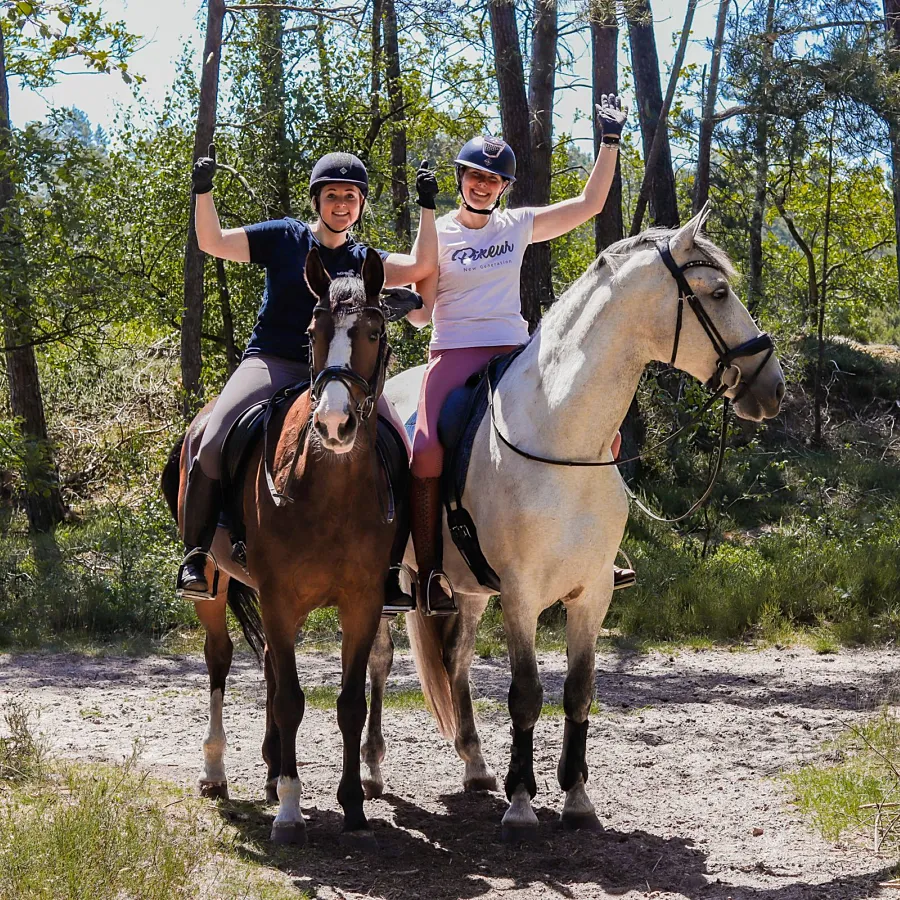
(779, 391)
(345, 429)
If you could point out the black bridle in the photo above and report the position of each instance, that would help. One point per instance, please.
(370, 387)
(726, 377)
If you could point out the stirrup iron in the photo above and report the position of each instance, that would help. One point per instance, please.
(442, 579)
(196, 596)
(390, 610)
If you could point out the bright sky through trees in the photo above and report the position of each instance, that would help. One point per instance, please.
(169, 27)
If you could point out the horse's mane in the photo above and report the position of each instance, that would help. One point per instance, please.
(346, 295)
(615, 254)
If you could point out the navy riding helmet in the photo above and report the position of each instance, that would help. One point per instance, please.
(487, 154)
(339, 168)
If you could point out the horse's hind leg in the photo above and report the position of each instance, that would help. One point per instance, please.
(271, 748)
(526, 696)
(380, 661)
(459, 648)
(359, 625)
(583, 620)
(218, 650)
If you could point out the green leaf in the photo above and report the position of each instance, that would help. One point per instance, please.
(26, 9)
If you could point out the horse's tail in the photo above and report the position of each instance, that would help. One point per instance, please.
(171, 477)
(244, 603)
(426, 637)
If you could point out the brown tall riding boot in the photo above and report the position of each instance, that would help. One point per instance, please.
(202, 503)
(435, 595)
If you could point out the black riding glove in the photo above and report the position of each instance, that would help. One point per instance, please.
(426, 186)
(611, 117)
(203, 172)
(399, 301)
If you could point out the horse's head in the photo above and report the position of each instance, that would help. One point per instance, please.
(348, 344)
(700, 325)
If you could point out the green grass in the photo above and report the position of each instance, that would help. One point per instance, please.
(832, 794)
(108, 831)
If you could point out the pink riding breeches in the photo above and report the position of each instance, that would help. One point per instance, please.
(447, 369)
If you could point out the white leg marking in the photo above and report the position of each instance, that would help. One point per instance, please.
(289, 801)
(577, 801)
(520, 813)
(214, 742)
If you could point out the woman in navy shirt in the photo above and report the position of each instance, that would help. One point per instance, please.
(278, 352)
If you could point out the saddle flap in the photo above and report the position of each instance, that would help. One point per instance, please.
(452, 419)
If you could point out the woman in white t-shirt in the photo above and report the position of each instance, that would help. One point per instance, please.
(474, 302)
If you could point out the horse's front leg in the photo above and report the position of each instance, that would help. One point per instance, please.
(271, 748)
(584, 617)
(288, 704)
(218, 650)
(359, 625)
(459, 648)
(526, 696)
(380, 661)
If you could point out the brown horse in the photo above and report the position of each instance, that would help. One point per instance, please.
(317, 535)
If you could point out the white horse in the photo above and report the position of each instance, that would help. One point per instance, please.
(551, 532)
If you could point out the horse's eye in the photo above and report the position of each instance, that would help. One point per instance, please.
(720, 293)
(374, 335)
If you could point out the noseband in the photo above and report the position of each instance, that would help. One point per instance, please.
(727, 377)
(371, 388)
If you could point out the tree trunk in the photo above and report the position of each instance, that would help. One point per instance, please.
(760, 153)
(648, 93)
(514, 117)
(820, 311)
(192, 315)
(892, 23)
(399, 187)
(608, 225)
(704, 153)
(232, 354)
(541, 89)
(662, 127)
(42, 498)
(276, 165)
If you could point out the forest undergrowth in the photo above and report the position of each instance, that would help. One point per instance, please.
(801, 542)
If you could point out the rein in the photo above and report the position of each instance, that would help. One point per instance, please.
(727, 377)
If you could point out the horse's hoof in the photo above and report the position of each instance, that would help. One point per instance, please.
(361, 840)
(515, 834)
(293, 833)
(214, 790)
(272, 792)
(374, 790)
(583, 821)
(480, 783)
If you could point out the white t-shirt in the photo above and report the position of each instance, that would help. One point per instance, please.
(478, 302)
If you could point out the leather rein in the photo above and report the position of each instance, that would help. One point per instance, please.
(726, 377)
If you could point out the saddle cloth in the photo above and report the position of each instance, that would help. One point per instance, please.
(246, 433)
(458, 423)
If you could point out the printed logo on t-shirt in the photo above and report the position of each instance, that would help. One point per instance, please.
(469, 255)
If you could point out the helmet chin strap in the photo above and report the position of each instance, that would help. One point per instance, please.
(472, 209)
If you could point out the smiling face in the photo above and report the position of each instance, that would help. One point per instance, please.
(481, 190)
(340, 205)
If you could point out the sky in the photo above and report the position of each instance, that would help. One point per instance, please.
(170, 26)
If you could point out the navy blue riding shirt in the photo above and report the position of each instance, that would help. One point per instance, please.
(287, 306)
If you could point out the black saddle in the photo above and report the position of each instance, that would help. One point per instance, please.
(247, 431)
(458, 423)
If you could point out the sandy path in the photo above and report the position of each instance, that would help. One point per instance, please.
(682, 759)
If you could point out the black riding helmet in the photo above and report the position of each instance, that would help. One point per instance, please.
(338, 168)
(487, 154)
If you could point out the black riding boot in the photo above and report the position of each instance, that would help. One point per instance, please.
(623, 578)
(202, 504)
(396, 600)
(435, 591)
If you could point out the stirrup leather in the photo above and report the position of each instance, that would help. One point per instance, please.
(210, 592)
(390, 609)
(444, 581)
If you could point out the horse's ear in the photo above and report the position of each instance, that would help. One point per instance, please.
(373, 273)
(317, 279)
(683, 241)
